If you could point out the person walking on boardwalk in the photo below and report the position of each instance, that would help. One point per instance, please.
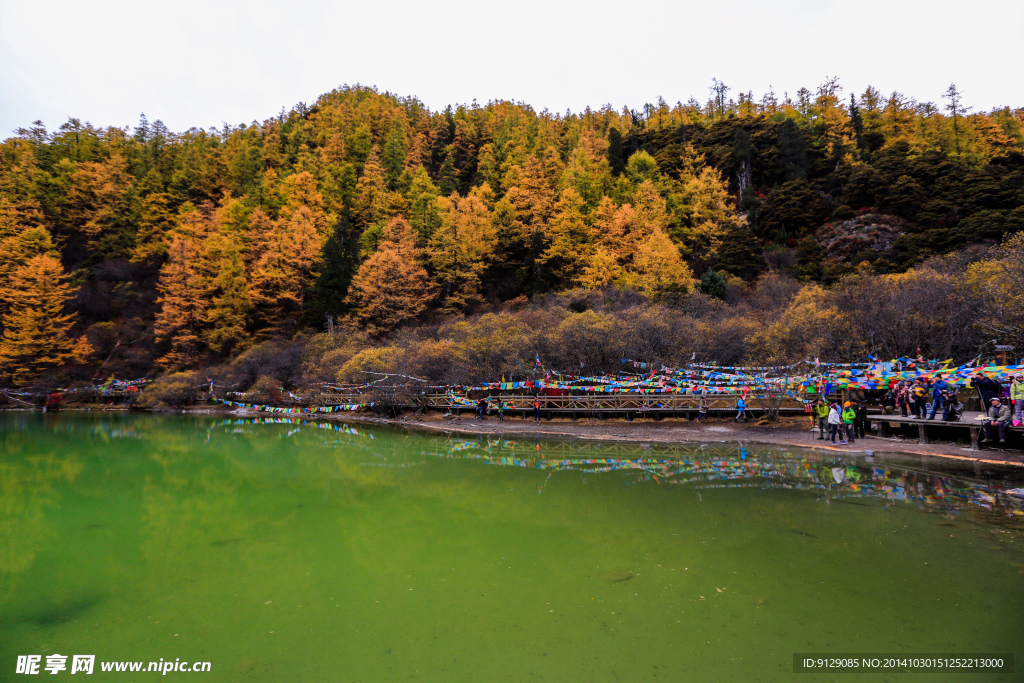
(481, 408)
(536, 408)
(821, 411)
(702, 409)
(849, 417)
(501, 410)
(835, 423)
(741, 409)
(939, 391)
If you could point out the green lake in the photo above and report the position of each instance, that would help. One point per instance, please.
(288, 550)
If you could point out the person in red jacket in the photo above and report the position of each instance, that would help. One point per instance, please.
(54, 400)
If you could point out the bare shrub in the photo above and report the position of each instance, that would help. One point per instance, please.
(170, 391)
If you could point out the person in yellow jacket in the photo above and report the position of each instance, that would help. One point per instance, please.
(821, 411)
(849, 417)
(919, 394)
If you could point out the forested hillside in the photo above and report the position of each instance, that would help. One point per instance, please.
(368, 216)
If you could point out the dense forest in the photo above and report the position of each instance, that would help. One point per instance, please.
(367, 231)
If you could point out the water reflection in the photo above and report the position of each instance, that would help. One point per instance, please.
(936, 485)
(842, 479)
(272, 541)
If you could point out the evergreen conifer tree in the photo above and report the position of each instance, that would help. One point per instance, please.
(713, 284)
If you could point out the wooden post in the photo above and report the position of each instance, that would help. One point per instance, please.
(922, 434)
(975, 434)
(883, 428)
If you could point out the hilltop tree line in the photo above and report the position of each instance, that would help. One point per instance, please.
(130, 250)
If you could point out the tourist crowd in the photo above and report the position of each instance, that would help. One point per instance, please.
(924, 397)
(848, 420)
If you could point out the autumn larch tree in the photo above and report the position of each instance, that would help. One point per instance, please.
(184, 289)
(374, 201)
(286, 270)
(21, 238)
(658, 267)
(35, 335)
(571, 244)
(460, 250)
(391, 286)
(229, 303)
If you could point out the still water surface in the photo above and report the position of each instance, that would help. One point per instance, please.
(319, 552)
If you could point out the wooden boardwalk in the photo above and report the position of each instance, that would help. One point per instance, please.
(926, 429)
(601, 405)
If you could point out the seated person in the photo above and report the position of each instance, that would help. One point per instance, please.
(997, 417)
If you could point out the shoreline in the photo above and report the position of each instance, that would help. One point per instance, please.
(669, 432)
(790, 431)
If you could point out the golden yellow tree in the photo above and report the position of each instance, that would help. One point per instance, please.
(183, 290)
(22, 236)
(570, 239)
(587, 169)
(650, 210)
(259, 236)
(229, 308)
(391, 286)
(703, 208)
(460, 249)
(657, 267)
(299, 193)
(286, 269)
(35, 327)
(531, 192)
(156, 219)
(375, 202)
(99, 201)
(811, 325)
(601, 270)
(619, 233)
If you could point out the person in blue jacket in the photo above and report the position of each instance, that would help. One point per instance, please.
(939, 390)
(741, 410)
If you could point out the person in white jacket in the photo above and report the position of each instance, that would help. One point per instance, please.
(835, 423)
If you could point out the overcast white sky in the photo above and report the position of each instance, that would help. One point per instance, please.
(204, 62)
